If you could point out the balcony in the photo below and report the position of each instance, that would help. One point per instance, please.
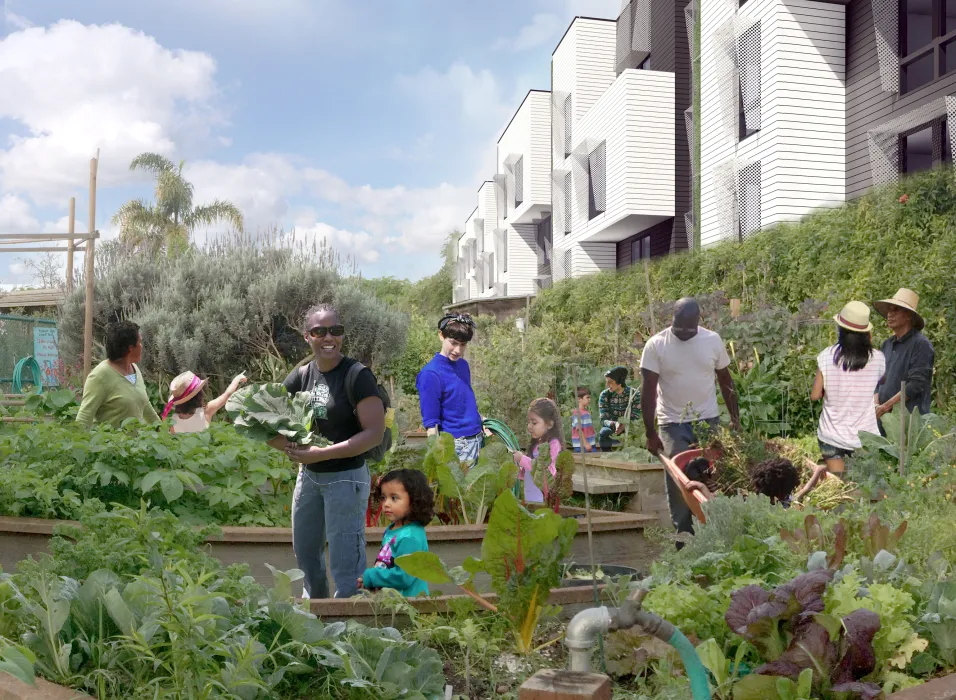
(622, 161)
(522, 187)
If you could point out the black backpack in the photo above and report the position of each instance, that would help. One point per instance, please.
(377, 453)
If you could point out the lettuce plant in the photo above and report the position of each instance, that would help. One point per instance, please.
(266, 411)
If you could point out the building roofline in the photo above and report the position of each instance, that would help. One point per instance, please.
(519, 109)
(576, 18)
(483, 183)
(473, 212)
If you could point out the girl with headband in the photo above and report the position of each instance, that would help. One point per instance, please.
(191, 414)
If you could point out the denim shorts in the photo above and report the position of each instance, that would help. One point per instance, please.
(833, 452)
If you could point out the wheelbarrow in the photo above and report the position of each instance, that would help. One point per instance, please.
(694, 493)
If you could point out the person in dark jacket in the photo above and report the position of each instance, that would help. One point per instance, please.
(909, 355)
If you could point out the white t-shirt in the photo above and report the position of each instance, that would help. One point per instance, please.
(848, 404)
(686, 391)
(196, 423)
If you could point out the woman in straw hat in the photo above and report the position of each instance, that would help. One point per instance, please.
(909, 355)
(191, 414)
(848, 374)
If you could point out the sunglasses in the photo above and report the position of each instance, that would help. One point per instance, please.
(322, 331)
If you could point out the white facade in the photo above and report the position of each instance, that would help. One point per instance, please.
(773, 113)
(523, 194)
(613, 149)
(475, 272)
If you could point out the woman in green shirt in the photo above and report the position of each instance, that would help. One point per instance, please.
(115, 389)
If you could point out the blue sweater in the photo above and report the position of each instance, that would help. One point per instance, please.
(397, 542)
(446, 397)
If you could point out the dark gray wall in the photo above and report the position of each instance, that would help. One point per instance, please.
(867, 105)
(669, 52)
(660, 242)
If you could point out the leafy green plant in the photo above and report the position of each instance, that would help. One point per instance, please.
(726, 671)
(939, 621)
(521, 552)
(558, 486)
(266, 411)
(60, 403)
(473, 487)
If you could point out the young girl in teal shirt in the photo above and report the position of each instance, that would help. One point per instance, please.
(409, 503)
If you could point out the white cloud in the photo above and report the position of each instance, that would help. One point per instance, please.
(75, 88)
(16, 216)
(543, 26)
(475, 97)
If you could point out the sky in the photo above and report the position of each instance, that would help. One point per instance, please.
(369, 125)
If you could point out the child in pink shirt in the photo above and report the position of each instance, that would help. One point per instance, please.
(544, 426)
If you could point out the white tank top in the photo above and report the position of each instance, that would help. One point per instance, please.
(196, 423)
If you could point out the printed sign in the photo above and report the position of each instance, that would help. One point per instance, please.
(46, 351)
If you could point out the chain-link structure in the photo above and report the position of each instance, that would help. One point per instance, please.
(886, 25)
(884, 140)
(690, 226)
(560, 126)
(689, 125)
(633, 34)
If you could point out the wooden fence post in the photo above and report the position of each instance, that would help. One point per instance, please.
(90, 252)
(70, 247)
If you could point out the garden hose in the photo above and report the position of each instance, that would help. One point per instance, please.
(501, 431)
(30, 364)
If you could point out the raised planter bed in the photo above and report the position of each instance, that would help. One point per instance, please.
(13, 689)
(644, 481)
(618, 539)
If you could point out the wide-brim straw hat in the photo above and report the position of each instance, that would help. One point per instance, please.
(855, 316)
(904, 299)
(184, 387)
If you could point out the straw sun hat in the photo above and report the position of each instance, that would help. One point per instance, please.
(904, 299)
(184, 387)
(855, 316)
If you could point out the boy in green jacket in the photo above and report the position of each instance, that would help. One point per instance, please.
(409, 503)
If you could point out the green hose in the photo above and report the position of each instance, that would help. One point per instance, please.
(501, 431)
(31, 364)
(696, 672)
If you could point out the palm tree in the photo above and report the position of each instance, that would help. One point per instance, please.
(170, 221)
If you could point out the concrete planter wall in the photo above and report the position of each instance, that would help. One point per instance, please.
(641, 485)
(618, 539)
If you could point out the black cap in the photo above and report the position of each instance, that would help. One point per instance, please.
(618, 374)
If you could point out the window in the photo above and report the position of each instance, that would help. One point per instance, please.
(567, 203)
(925, 148)
(645, 64)
(748, 201)
(597, 181)
(567, 126)
(927, 41)
(748, 95)
(641, 249)
(519, 181)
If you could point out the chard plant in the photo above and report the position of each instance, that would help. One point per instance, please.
(523, 554)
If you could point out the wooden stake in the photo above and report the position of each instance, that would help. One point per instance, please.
(90, 252)
(650, 296)
(70, 247)
(902, 426)
(734, 308)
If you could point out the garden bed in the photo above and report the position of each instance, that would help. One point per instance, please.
(618, 539)
(643, 481)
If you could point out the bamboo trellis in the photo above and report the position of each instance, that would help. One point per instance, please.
(85, 242)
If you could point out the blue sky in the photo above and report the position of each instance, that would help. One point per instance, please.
(370, 125)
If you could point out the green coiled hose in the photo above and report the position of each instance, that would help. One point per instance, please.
(31, 364)
(501, 431)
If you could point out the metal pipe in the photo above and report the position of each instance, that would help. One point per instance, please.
(582, 634)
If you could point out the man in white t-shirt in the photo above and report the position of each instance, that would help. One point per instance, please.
(678, 367)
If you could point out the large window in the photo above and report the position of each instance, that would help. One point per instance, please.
(925, 148)
(927, 41)
(641, 249)
(597, 181)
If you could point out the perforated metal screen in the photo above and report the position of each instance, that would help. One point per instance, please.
(884, 140)
(690, 20)
(748, 63)
(725, 191)
(886, 25)
(737, 63)
(501, 196)
(597, 172)
(567, 264)
(560, 125)
(748, 200)
(689, 125)
(633, 34)
(519, 181)
(689, 227)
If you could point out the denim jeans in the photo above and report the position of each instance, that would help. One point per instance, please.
(677, 438)
(468, 448)
(330, 507)
(606, 438)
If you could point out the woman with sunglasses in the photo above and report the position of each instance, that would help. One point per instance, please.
(445, 395)
(331, 492)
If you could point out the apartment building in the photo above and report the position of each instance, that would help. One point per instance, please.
(803, 104)
(806, 103)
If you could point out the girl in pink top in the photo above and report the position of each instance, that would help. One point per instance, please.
(544, 426)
